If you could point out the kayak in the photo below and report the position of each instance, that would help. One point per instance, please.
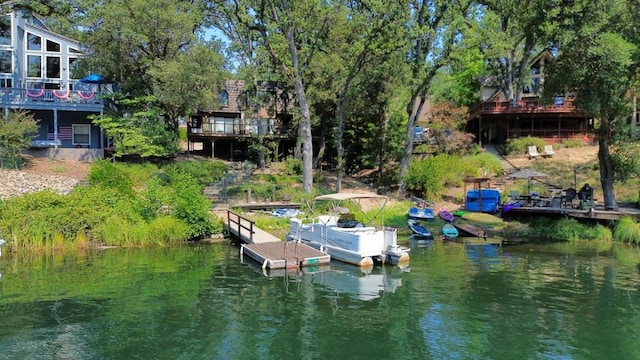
(449, 232)
(482, 218)
(445, 215)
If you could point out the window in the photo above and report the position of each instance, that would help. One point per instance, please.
(34, 66)
(34, 42)
(53, 67)
(224, 98)
(53, 46)
(5, 83)
(73, 64)
(6, 61)
(5, 31)
(81, 134)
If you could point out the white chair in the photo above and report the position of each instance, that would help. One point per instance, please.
(548, 151)
(532, 152)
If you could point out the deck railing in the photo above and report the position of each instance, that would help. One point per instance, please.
(15, 96)
(522, 106)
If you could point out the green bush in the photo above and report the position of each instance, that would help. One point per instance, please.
(204, 171)
(572, 143)
(519, 146)
(627, 230)
(293, 166)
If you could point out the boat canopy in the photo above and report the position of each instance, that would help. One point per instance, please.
(349, 196)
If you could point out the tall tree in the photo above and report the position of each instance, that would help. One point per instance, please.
(435, 30)
(598, 57)
(291, 33)
(150, 48)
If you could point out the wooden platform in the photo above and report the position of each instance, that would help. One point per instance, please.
(268, 250)
(472, 230)
(597, 213)
(285, 255)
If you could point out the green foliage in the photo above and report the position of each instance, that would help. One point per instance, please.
(519, 146)
(627, 230)
(572, 143)
(15, 135)
(141, 130)
(568, 229)
(432, 176)
(123, 205)
(205, 172)
(293, 166)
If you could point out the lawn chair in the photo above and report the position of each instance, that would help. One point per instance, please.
(532, 152)
(569, 196)
(548, 151)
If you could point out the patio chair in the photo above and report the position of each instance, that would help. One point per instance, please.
(548, 151)
(569, 195)
(532, 152)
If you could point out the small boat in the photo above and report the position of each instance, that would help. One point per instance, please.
(421, 213)
(349, 241)
(421, 210)
(472, 230)
(445, 215)
(418, 228)
(449, 232)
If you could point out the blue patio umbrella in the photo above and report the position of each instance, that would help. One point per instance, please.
(93, 79)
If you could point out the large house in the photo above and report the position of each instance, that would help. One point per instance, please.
(36, 76)
(244, 115)
(497, 119)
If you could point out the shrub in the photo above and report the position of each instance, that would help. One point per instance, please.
(627, 230)
(293, 166)
(204, 172)
(519, 146)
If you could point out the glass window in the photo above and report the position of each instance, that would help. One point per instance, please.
(224, 98)
(5, 31)
(5, 61)
(81, 134)
(73, 64)
(74, 51)
(53, 46)
(53, 67)
(34, 42)
(34, 66)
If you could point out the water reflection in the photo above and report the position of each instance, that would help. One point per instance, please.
(483, 256)
(360, 283)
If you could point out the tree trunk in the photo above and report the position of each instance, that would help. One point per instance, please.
(417, 104)
(606, 164)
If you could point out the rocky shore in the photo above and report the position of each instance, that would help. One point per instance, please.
(13, 183)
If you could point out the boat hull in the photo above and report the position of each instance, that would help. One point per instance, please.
(421, 213)
(360, 245)
(419, 229)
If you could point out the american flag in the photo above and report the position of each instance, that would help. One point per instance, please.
(64, 133)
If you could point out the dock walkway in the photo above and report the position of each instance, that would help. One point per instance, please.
(267, 249)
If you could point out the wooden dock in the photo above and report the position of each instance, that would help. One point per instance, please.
(597, 213)
(285, 255)
(267, 249)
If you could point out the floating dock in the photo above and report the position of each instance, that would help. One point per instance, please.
(285, 255)
(269, 250)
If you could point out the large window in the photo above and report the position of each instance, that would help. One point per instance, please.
(5, 61)
(53, 46)
(34, 66)
(34, 42)
(53, 67)
(81, 134)
(73, 64)
(5, 30)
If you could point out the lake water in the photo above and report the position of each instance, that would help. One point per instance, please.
(203, 302)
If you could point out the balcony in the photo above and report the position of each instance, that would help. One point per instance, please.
(46, 99)
(525, 106)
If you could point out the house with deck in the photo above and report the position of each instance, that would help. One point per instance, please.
(36, 75)
(246, 114)
(497, 118)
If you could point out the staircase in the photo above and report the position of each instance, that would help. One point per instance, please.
(217, 192)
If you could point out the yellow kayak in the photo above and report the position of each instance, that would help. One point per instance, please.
(482, 218)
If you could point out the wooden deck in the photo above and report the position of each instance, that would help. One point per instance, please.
(597, 213)
(267, 249)
(285, 255)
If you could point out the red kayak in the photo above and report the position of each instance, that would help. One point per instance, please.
(445, 215)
